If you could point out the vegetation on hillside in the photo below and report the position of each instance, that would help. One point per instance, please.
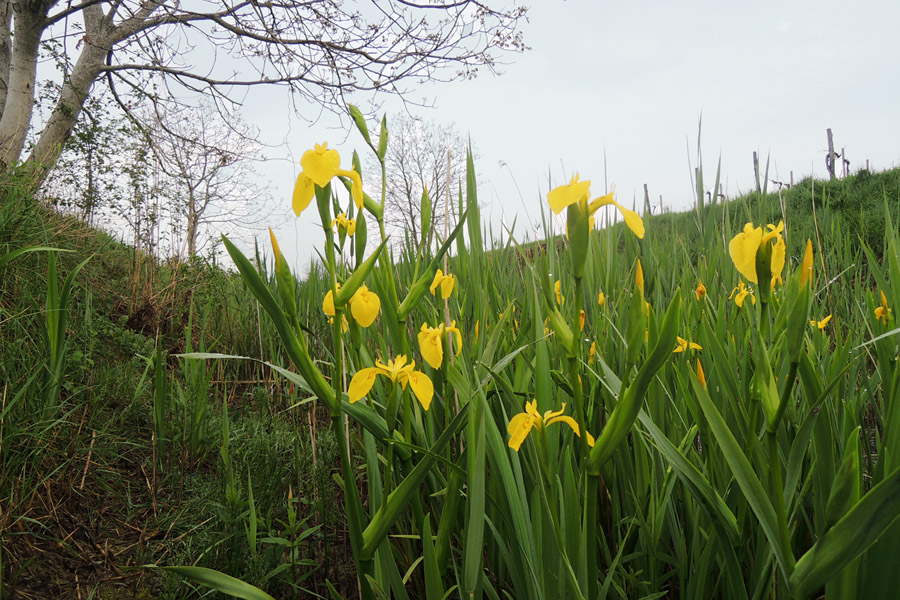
(116, 453)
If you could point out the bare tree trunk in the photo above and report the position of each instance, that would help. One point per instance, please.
(74, 92)
(5, 49)
(19, 99)
(192, 219)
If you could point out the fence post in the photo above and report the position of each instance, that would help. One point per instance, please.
(829, 158)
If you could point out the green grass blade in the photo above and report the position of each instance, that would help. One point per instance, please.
(743, 473)
(218, 581)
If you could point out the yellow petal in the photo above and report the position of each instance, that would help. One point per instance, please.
(519, 428)
(431, 347)
(356, 188)
(531, 409)
(639, 277)
(454, 329)
(321, 164)
(567, 420)
(328, 303)
(566, 195)
(422, 387)
(447, 284)
(304, 190)
(807, 268)
(557, 287)
(743, 248)
(364, 306)
(601, 299)
(778, 254)
(549, 414)
(361, 383)
(274, 244)
(438, 276)
(597, 203)
(633, 220)
(700, 375)
(773, 231)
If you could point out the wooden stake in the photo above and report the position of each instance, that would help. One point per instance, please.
(756, 171)
(829, 159)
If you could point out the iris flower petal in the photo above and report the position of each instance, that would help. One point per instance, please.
(304, 190)
(778, 254)
(422, 387)
(743, 248)
(321, 164)
(328, 304)
(430, 345)
(565, 195)
(362, 383)
(364, 306)
(519, 428)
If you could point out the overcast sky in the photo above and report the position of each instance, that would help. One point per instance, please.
(631, 79)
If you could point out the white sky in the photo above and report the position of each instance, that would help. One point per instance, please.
(632, 78)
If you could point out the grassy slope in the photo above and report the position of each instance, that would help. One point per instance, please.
(80, 499)
(80, 494)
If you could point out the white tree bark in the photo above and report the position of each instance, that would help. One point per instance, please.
(29, 20)
(75, 89)
(5, 49)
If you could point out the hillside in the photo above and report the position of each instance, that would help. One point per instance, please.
(136, 457)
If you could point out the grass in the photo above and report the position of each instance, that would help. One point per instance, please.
(85, 492)
(242, 472)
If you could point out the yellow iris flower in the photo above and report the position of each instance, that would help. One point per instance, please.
(321, 165)
(883, 313)
(592, 353)
(342, 222)
(807, 268)
(557, 287)
(445, 282)
(364, 306)
(397, 371)
(744, 246)
(683, 345)
(579, 191)
(522, 424)
(701, 376)
(328, 303)
(701, 290)
(601, 299)
(821, 324)
(431, 342)
(742, 292)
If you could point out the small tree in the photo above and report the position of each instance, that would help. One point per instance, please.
(88, 175)
(416, 159)
(208, 165)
